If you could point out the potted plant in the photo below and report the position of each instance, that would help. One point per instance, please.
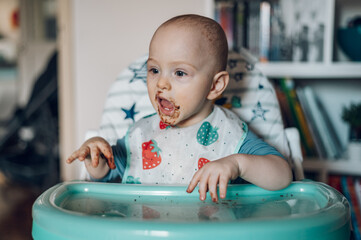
(352, 116)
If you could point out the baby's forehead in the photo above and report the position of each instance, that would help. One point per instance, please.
(194, 26)
(198, 32)
(209, 35)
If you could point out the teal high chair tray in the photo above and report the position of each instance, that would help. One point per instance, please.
(82, 210)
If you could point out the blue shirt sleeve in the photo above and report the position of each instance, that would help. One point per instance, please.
(256, 146)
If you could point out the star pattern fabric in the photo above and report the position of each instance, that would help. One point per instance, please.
(259, 112)
(130, 113)
(140, 72)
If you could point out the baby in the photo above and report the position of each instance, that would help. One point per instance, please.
(190, 140)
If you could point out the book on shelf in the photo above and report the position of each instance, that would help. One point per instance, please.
(348, 190)
(241, 15)
(319, 146)
(265, 31)
(224, 15)
(350, 187)
(233, 18)
(284, 106)
(334, 181)
(302, 109)
(326, 140)
(276, 30)
(297, 116)
(358, 191)
(247, 24)
(254, 27)
(277, 42)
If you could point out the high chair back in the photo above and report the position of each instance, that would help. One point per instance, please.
(249, 94)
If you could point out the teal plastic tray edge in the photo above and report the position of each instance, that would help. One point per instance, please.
(43, 211)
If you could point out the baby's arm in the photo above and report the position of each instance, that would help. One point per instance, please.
(270, 172)
(91, 153)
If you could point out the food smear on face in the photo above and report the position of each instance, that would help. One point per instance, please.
(168, 111)
(166, 106)
(170, 120)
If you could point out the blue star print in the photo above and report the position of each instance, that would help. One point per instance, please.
(140, 72)
(130, 113)
(259, 112)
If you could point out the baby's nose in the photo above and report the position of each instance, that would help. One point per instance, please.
(163, 83)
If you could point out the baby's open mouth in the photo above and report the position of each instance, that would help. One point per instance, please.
(165, 106)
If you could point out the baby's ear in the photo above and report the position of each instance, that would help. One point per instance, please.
(219, 84)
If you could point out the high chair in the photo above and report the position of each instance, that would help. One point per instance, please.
(88, 210)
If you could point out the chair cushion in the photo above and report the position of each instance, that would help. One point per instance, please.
(249, 94)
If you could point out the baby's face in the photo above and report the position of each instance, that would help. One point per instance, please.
(179, 76)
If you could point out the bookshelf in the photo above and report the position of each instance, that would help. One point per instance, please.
(323, 168)
(340, 166)
(335, 69)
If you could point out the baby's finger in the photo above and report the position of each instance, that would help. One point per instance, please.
(72, 157)
(108, 155)
(111, 163)
(212, 187)
(223, 183)
(203, 187)
(75, 155)
(83, 153)
(106, 151)
(192, 185)
(94, 152)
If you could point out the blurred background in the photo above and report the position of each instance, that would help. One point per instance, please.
(29, 122)
(58, 59)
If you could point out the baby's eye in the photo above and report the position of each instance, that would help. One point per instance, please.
(180, 73)
(154, 71)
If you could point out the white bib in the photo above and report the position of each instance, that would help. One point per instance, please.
(161, 154)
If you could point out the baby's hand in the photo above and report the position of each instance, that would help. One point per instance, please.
(213, 173)
(95, 147)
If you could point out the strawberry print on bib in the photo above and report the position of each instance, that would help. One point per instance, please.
(151, 154)
(202, 162)
(207, 134)
(162, 154)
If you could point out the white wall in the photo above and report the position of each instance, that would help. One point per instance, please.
(105, 36)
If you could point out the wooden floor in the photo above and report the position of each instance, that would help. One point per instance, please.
(16, 201)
